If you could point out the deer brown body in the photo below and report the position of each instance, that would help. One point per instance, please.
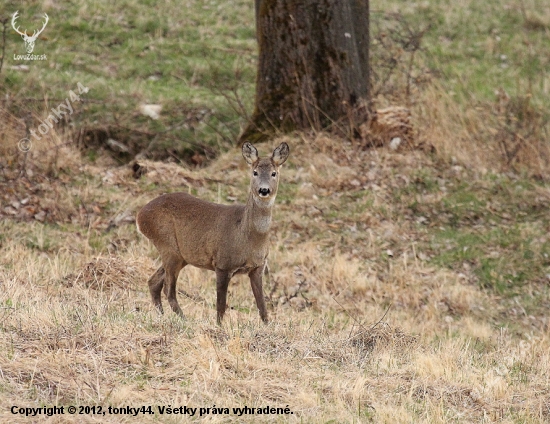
(226, 239)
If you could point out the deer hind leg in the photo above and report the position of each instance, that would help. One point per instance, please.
(155, 287)
(173, 264)
(256, 283)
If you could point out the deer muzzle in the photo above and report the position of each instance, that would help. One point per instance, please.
(264, 192)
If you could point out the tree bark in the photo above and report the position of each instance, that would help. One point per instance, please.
(313, 68)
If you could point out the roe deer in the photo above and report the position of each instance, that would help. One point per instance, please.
(226, 239)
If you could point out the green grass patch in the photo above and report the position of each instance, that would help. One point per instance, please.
(493, 230)
(187, 59)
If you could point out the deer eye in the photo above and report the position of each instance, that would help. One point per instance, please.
(273, 174)
(255, 173)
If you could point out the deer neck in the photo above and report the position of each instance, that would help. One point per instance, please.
(257, 215)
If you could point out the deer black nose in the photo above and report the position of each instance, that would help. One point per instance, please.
(264, 191)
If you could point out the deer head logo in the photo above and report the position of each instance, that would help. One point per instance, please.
(29, 41)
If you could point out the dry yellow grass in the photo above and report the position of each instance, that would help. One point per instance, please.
(364, 328)
(477, 136)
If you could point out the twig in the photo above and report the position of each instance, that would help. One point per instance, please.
(373, 326)
(380, 320)
(4, 24)
(222, 135)
(234, 101)
(193, 297)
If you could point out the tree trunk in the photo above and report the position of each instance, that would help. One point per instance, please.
(313, 68)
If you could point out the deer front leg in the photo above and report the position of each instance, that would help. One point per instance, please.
(256, 283)
(222, 283)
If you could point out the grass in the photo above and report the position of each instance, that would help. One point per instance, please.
(198, 62)
(405, 286)
(376, 315)
(477, 87)
(478, 56)
(128, 56)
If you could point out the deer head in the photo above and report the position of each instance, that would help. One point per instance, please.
(29, 41)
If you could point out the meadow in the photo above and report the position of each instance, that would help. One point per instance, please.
(408, 285)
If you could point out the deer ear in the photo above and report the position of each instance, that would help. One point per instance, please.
(280, 154)
(250, 153)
